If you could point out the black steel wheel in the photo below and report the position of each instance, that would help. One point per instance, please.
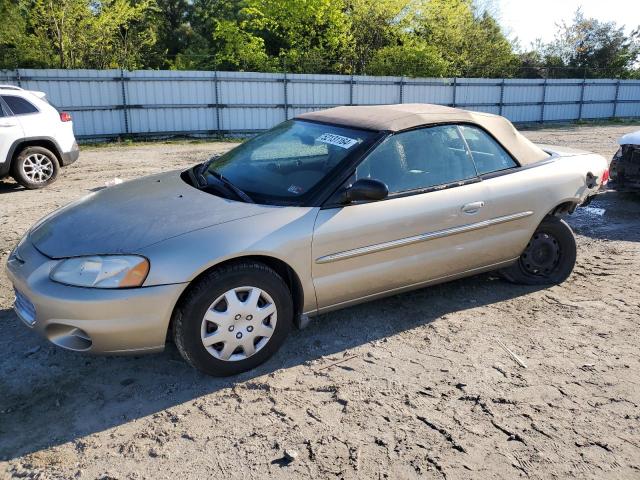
(548, 258)
(542, 255)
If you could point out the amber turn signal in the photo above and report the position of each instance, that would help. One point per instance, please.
(137, 275)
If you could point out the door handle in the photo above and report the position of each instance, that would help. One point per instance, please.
(472, 208)
(7, 124)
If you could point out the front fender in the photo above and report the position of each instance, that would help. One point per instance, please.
(284, 234)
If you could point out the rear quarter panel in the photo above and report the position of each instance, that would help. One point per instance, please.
(47, 123)
(540, 189)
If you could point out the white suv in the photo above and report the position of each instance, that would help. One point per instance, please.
(35, 139)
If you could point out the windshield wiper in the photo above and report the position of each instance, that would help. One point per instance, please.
(240, 193)
(202, 181)
(198, 170)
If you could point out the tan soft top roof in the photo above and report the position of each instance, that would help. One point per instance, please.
(409, 115)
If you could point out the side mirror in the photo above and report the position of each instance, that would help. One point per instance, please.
(365, 189)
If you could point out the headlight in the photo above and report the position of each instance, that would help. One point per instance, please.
(15, 252)
(108, 271)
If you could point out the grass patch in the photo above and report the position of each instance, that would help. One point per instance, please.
(173, 140)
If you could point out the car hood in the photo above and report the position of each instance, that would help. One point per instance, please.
(128, 217)
(632, 138)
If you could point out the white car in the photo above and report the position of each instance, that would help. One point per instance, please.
(35, 138)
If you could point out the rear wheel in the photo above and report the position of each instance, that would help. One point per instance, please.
(35, 167)
(549, 257)
(233, 319)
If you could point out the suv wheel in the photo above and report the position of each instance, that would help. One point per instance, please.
(35, 167)
(233, 319)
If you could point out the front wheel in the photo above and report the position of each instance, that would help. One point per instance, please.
(233, 319)
(549, 257)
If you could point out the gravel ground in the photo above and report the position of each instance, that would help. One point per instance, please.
(411, 386)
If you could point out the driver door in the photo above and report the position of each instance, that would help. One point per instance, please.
(415, 235)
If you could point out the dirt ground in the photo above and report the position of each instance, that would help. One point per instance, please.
(411, 386)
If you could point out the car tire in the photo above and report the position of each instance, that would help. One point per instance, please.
(205, 315)
(35, 167)
(549, 257)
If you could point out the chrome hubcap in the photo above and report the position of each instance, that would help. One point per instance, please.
(238, 323)
(37, 167)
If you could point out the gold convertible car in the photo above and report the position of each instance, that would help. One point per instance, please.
(329, 209)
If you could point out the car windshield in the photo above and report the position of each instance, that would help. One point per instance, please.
(286, 163)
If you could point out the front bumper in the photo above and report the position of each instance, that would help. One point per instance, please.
(88, 319)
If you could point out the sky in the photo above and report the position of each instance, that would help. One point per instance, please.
(531, 19)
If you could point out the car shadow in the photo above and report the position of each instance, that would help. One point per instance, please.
(48, 393)
(610, 216)
(10, 187)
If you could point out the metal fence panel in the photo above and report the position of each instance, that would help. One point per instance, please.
(523, 90)
(250, 119)
(321, 90)
(565, 91)
(494, 109)
(557, 112)
(428, 90)
(107, 103)
(481, 91)
(254, 89)
(599, 90)
(597, 110)
(376, 90)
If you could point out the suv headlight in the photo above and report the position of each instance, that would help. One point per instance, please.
(107, 271)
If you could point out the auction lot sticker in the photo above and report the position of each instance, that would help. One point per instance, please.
(337, 140)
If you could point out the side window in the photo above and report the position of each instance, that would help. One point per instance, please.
(488, 155)
(2, 112)
(18, 105)
(419, 159)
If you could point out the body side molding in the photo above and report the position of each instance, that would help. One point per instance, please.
(423, 237)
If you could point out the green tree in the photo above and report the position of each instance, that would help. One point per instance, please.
(64, 24)
(308, 36)
(593, 48)
(174, 32)
(221, 41)
(471, 44)
(381, 37)
(123, 34)
(85, 34)
(17, 47)
(585, 48)
(414, 58)
(377, 29)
